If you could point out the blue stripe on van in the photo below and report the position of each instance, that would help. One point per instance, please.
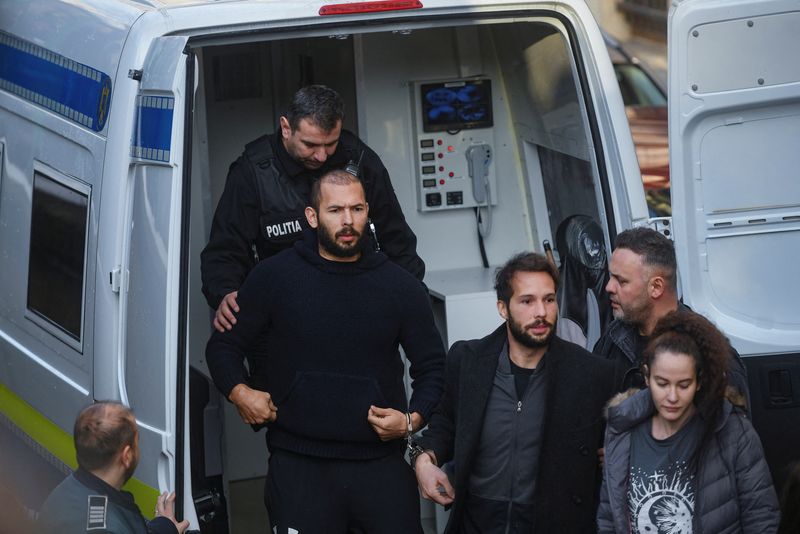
(71, 89)
(152, 135)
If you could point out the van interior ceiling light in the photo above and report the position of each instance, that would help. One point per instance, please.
(369, 7)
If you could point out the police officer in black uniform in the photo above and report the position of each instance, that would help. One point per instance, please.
(91, 499)
(261, 211)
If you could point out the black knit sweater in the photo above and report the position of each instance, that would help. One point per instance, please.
(331, 332)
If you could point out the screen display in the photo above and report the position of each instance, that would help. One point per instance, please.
(456, 105)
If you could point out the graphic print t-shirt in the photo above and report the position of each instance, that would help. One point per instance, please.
(661, 488)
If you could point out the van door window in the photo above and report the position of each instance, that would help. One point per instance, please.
(57, 262)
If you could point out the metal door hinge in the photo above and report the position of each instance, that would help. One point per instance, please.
(117, 278)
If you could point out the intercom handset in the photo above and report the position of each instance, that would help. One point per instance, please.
(453, 144)
(479, 157)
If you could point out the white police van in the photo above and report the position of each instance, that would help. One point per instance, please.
(118, 120)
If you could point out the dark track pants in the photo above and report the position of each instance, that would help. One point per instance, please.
(308, 495)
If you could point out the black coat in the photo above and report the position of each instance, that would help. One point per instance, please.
(578, 386)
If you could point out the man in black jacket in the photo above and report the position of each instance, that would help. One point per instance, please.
(512, 445)
(91, 499)
(643, 288)
(332, 313)
(261, 210)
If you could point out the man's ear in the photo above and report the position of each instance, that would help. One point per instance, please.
(656, 286)
(311, 216)
(286, 129)
(502, 309)
(127, 457)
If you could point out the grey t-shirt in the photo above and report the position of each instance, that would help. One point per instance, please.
(660, 486)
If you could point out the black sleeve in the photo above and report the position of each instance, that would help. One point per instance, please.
(423, 346)
(161, 525)
(440, 434)
(601, 348)
(226, 351)
(394, 235)
(228, 256)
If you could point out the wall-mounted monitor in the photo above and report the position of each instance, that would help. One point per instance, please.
(456, 105)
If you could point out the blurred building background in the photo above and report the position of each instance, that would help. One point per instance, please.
(641, 27)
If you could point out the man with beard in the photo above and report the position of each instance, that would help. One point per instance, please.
(261, 210)
(91, 499)
(512, 445)
(643, 288)
(333, 312)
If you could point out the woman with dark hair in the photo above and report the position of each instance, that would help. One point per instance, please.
(679, 456)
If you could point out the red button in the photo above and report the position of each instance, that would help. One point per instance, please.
(441, 169)
(441, 182)
(439, 142)
(452, 174)
(441, 155)
(451, 148)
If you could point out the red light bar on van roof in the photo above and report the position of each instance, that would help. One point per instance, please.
(369, 7)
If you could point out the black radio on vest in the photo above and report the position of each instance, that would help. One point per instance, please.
(354, 168)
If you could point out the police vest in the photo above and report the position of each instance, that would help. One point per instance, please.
(282, 200)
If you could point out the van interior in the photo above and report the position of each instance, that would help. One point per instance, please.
(421, 95)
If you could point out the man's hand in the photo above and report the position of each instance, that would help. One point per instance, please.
(165, 507)
(432, 481)
(224, 318)
(255, 407)
(391, 424)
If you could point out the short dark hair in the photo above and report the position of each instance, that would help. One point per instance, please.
(102, 430)
(655, 249)
(336, 176)
(529, 262)
(320, 104)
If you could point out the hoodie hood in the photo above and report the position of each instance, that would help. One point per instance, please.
(308, 249)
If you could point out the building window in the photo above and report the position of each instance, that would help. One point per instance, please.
(57, 262)
(647, 18)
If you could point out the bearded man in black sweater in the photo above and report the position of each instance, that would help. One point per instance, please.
(331, 314)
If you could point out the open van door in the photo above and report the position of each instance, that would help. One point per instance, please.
(152, 289)
(734, 125)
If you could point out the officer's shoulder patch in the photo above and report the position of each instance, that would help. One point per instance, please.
(96, 512)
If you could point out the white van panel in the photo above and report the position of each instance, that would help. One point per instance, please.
(36, 355)
(734, 161)
(93, 36)
(742, 35)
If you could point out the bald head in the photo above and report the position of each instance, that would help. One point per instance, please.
(101, 431)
